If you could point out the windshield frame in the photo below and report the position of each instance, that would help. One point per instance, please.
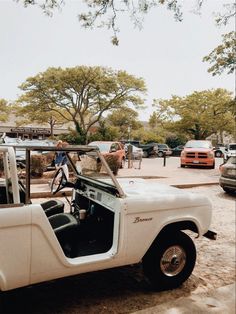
(68, 149)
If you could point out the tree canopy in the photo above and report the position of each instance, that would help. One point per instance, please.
(40, 114)
(123, 120)
(5, 109)
(200, 114)
(223, 57)
(106, 13)
(82, 94)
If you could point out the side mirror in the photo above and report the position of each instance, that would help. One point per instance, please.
(113, 150)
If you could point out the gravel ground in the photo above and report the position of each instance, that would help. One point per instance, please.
(125, 290)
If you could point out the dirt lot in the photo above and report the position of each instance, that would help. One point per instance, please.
(125, 290)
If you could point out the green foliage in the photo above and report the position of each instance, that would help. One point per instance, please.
(73, 138)
(5, 109)
(46, 5)
(200, 114)
(105, 133)
(223, 57)
(82, 94)
(31, 113)
(147, 136)
(107, 13)
(173, 141)
(122, 120)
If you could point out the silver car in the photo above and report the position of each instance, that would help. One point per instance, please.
(228, 175)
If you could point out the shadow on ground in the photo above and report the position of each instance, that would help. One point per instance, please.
(120, 290)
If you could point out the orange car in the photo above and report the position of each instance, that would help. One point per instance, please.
(111, 148)
(198, 153)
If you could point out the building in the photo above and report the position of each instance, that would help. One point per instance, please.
(30, 131)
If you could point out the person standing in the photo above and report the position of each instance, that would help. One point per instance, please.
(61, 158)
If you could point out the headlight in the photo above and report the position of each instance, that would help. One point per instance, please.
(182, 154)
(210, 155)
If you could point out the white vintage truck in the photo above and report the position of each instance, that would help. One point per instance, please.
(112, 222)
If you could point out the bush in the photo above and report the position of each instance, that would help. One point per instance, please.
(38, 164)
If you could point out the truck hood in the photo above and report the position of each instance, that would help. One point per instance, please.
(160, 195)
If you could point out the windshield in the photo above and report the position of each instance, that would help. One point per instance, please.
(103, 147)
(198, 144)
(232, 146)
(83, 162)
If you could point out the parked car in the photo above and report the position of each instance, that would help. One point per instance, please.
(163, 149)
(111, 148)
(198, 153)
(20, 146)
(176, 151)
(136, 152)
(149, 149)
(230, 150)
(228, 175)
(10, 140)
(219, 150)
(112, 222)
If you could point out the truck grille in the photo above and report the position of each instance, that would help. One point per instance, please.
(196, 155)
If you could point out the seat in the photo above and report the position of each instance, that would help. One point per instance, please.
(65, 227)
(53, 207)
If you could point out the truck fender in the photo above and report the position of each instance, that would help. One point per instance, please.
(171, 228)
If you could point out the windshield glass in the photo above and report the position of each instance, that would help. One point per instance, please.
(78, 163)
(103, 147)
(198, 144)
(232, 146)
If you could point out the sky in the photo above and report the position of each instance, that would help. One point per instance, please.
(165, 53)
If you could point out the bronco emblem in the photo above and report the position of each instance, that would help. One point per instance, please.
(138, 219)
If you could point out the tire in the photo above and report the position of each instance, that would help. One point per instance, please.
(145, 154)
(182, 166)
(170, 261)
(4, 302)
(212, 167)
(218, 153)
(160, 154)
(228, 191)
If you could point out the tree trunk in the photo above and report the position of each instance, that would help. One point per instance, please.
(81, 134)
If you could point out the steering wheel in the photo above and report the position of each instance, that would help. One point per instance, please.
(59, 181)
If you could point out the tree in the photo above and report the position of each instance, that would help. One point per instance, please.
(105, 132)
(106, 13)
(159, 121)
(223, 57)
(200, 114)
(123, 119)
(82, 94)
(145, 136)
(5, 109)
(39, 114)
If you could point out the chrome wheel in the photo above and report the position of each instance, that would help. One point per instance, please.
(173, 261)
